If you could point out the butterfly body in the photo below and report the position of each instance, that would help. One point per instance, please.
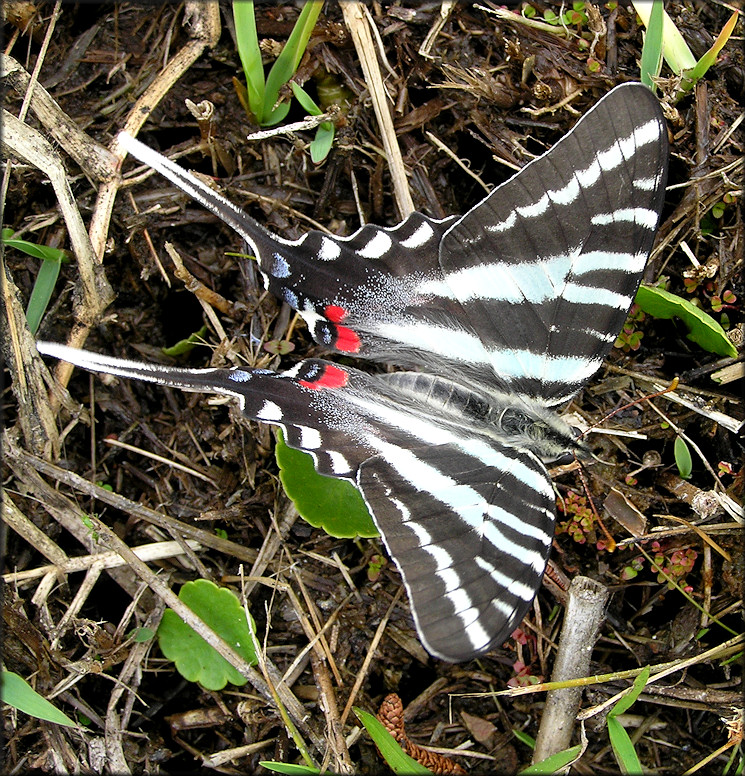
(505, 312)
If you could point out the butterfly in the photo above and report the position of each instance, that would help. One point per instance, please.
(497, 317)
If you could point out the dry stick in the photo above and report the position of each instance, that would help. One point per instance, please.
(294, 708)
(319, 654)
(446, 8)
(658, 671)
(36, 420)
(330, 708)
(362, 675)
(32, 146)
(584, 615)
(38, 410)
(35, 537)
(690, 401)
(356, 20)
(205, 31)
(126, 505)
(130, 677)
(145, 552)
(94, 159)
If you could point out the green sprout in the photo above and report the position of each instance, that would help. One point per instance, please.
(52, 259)
(665, 41)
(574, 17)
(630, 338)
(671, 567)
(580, 521)
(261, 97)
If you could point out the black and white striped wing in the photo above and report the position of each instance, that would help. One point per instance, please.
(547, 266)
(503, 294)
(470, 530)
(468, 520)
(508, 310)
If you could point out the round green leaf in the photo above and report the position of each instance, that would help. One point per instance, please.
(325, 502)
(702, 328)
(195, 659)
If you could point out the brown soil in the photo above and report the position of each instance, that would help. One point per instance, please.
(495, 93)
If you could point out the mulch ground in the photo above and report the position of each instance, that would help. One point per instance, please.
(163, 465)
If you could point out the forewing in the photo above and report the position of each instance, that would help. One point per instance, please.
(547, 266)
(528, 290)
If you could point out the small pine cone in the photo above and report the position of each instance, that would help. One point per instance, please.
(391, 714)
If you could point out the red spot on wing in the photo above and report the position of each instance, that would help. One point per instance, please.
(347, 340)
(331, 377)
(335, 313)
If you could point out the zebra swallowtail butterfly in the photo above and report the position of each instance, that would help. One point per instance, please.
(504, 312)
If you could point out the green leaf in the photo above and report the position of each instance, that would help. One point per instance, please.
(623, 748)
(683, 458)
(142, 635)
(710, 57)
(287, 62)
(674, 48)
(18, 693)
(289, 768)
(306, 101)
(43, 289)
(184, 346)
(277, 115)
(628, 700)
(325, 502)
(398, 761)
(195, 659)
(250, 55)
(321, 144)
(42, 293)
(651, 62)
(524, 738)
(32, 249)
(703, 329)
(554, 763)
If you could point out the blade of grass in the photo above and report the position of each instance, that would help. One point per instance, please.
(250, 55)
(46, 279)
(651, 62)
(555, 763)
(321, 144)
(398, 761)
(623, 748)
(674, 48)
(18, 693)
(306, 101)
(288, 60)
(42, 293)
(710, 57)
